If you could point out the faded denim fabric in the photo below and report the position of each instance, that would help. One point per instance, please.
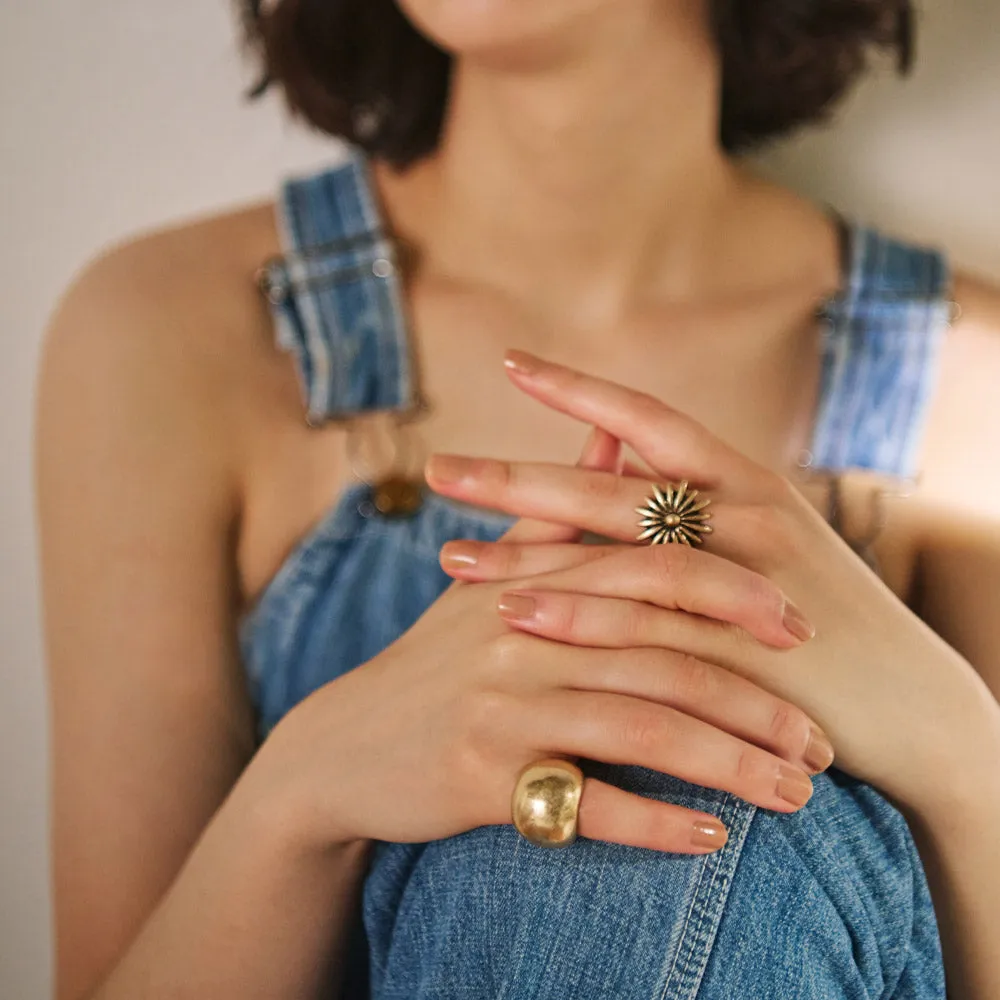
(829, 903)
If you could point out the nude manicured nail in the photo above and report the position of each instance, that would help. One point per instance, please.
(521, 363)
(459, 556)
(711, 834)
(797, 623)
(450, 468)
(819, 753)
(794, 787)
(518, 607)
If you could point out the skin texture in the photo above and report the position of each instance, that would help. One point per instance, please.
(175, 474)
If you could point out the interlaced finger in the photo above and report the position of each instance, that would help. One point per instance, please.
(618, 729)
(596, 501)
(707, 692)
(643, 589)
(672, 443)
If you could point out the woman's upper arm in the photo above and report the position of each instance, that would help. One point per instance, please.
(960, 495)
(137, 506)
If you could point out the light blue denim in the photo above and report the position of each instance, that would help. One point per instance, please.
(829, 903)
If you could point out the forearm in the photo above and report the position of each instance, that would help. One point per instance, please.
(959, 843)
(255, 912)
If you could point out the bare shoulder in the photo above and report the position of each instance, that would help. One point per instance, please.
(160, 330)
(188, 287)
(960, 465)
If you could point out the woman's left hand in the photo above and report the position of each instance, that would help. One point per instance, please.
(906, 712)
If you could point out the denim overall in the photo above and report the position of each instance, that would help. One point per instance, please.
(828, 903)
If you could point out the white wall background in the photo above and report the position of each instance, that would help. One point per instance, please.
(117, 115)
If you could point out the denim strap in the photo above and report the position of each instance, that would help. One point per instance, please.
(338, 307)
(881, 355)
(336, 298)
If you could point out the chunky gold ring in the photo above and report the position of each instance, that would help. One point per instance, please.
(672, 514)
(546, 802)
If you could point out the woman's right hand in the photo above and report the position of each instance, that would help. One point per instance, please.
(426, 740)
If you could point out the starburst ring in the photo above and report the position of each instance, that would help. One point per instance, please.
(674, 514)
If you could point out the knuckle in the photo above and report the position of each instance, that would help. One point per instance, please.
(501, 475)
(783, 725)
(567, 378)
(789, 728)
(510, 559)
(644, 732)
(764, 594)
(753, 767)
(480, 713)
(671, 564)
(601, 487)
(756, 775)
(743, 647)
(633, 625)
(701, 441)
(694, 680)
(508, 653)
(649, 408)
(614, 671)
(468, 762)
(653, 824)
(567, 613)
(766, 528)
(774, 488)
(782, 492)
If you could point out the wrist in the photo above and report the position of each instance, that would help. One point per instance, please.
(289, 796)
(961, 786)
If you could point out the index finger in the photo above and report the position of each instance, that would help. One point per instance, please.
(675, 445)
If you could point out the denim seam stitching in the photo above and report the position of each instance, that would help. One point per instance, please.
(724, 876)
(686, 972)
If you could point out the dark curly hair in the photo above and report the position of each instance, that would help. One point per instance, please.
(358, 69)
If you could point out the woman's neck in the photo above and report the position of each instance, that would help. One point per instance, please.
(581, 179)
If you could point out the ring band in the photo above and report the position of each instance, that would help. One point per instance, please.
(545, 803)
(672, 515)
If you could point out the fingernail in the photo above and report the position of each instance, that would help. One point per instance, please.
(797, 623)
(450, 468)
(819, 753)
(794, 787)
(459, 555)
(711, 834)
(521, 363)
(518, 607)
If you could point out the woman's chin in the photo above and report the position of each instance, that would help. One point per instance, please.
(504, 31)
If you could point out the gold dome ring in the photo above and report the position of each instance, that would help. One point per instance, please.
(545, 803)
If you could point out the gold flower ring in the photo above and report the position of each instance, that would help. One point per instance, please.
(673, 514)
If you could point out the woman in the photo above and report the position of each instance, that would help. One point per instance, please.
(555, 182)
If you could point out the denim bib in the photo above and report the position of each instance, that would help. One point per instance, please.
(831, 902)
